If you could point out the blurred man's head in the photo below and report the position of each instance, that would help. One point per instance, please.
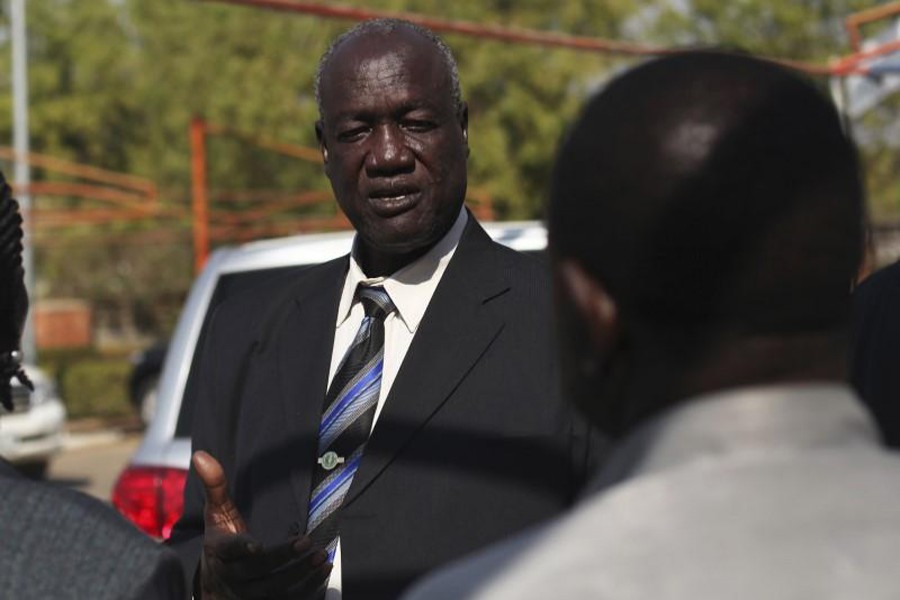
(706, 223)
(393, 135)
(13, 299)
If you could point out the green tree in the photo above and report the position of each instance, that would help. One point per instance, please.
(114, 83)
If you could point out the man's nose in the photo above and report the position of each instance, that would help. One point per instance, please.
(389, 153)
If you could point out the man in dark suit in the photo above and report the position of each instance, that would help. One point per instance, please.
(54, 542)
(469, 442)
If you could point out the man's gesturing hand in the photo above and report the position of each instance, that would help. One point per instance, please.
(234, 566)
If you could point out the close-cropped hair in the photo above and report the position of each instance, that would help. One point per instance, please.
(713, 188)
(384, 27)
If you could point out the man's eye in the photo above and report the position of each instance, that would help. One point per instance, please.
(418, 126)
(351, 134)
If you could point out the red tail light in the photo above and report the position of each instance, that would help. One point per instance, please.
(151, 497)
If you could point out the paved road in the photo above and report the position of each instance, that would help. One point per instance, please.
(91, 461)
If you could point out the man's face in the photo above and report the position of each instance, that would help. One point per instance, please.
(394, 146)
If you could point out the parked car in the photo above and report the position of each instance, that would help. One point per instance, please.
(143, 380)
(33, 432)
(149, 490)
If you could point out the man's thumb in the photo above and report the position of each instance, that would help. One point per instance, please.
(220, 512)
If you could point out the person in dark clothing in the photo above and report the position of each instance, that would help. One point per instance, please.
(54, 542)
(455, 436)
(875, 349)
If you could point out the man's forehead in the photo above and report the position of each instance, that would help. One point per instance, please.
(381, 49)
(379, 65)
(373, 69)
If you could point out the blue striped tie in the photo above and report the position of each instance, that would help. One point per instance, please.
(347, 419)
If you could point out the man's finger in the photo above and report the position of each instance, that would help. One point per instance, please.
(220, 512)
(302, 574)
(274, 558)
(234, 549)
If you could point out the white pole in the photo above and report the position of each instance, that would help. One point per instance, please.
(22, 175)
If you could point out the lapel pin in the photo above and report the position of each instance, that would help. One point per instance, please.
(330, 460)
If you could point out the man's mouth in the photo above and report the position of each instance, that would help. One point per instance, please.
(391, 202)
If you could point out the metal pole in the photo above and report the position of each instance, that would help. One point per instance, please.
(22, 176)
(837, 85)
(200, 202)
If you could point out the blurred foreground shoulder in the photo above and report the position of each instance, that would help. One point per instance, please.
(62, 544)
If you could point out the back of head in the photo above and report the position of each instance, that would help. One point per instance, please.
(710, 190)
(13, 302)
(13, 298)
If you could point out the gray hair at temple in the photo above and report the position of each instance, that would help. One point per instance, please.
(385, 26)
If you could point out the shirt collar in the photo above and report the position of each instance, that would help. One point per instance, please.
(741, 422)
(411, 287)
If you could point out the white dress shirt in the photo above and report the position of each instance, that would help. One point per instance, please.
(410, 289)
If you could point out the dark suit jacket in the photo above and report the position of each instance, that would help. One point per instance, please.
(472, 443)
(61, 544)
(875, 349)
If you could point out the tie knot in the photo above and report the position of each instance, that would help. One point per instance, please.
(376, 302)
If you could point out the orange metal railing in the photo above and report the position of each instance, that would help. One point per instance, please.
(846, 65)
(126, 197)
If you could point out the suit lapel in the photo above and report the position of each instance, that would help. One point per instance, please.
(303, 346)
(456, 330)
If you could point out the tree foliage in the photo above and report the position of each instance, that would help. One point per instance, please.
(114, 83)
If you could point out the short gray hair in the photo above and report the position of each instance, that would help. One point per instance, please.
(385, 26)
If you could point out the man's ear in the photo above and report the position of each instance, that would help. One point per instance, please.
(320, 137)
(596, 306)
